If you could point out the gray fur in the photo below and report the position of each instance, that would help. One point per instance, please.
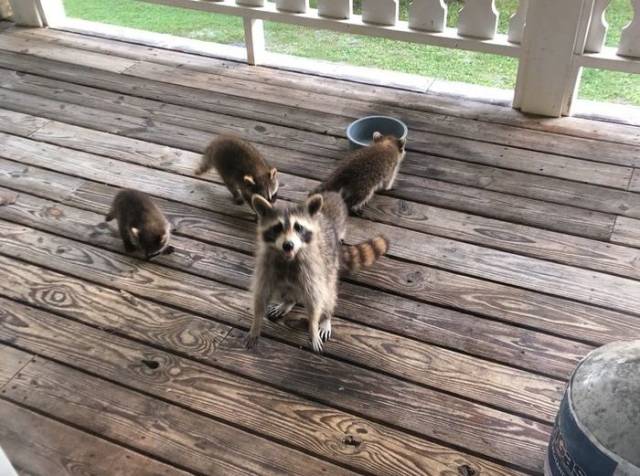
(310, 277)
(367, 170)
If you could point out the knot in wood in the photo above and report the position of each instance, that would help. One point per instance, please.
(466, 470)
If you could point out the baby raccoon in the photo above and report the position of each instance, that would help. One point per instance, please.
(298, 259)
(242, 169)
(141, 224)
(367, 170)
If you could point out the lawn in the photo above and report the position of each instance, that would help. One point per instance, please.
(440, 63)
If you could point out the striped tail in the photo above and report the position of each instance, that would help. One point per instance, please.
(364, 254)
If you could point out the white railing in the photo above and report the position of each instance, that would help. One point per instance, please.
(553, 39)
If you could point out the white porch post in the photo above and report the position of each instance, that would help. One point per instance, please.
(547, 74)
(254, 40)
(37, 13)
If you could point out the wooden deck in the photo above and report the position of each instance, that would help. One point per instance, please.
(514, 253)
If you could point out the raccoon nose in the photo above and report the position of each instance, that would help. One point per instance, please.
(287, 245)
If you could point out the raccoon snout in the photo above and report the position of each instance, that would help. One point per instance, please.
(288, 246)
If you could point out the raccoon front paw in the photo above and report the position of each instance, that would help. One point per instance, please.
(251, 342)
(357, 213)
(238, 200)
(275, 312)
(325, 330)
(316, 343)
(129, 248)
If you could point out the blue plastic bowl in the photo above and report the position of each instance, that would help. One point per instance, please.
(360, 132)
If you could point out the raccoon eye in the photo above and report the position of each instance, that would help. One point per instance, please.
(298, 227)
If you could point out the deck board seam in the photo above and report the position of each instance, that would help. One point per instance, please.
(327, 404)
(334, 357)
(373, 287)
(96, 434)
(502, 122)
(31, 359)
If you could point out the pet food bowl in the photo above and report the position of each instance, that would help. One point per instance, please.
(360, 132)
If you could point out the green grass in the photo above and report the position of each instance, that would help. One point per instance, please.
(440, 63)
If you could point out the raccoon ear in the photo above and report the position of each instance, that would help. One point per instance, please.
(260, 205)
(134, 232)
(248, 179)
(314, 204)
(273, 173)
(377, 136)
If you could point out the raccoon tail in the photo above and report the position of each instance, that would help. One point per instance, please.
(355, 257)
(206, 162)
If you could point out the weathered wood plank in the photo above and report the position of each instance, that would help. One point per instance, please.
(557, 217)
(39, 446)
(479, 176)
(157, 428)
(247, 403)
(530, 241)
(634, 184)
(393, 354)
(612, 292)
(546, 354)
(626, 232)
(20, 124)
(37, 181)
(12, 361)
(382, 97)
(558, 316)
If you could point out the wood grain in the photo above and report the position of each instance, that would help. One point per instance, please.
(20, 124)
(155, 427)
(395, 355)
(530, 241)
(558, 316)
(627, 232)
(12, 361)
(429, 166)
(314, 427)
(612, 292)
(39, 446)
(432, 117)
(484, 202)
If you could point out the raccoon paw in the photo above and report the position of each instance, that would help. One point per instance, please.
(238, 200)
(325, 330)
(129, 248)
(316, 343)
(359, 213)
(251, 342)
(275, 312)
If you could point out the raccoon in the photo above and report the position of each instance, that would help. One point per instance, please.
(141, 224)
(298, 260)
(242, 168)
(367, 170)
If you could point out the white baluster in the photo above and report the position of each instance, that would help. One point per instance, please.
(517, 22)
(630, 37)
(380, 12)
(339, 9)
(292, 6)
(478, 19)
(254, 40)
(597, 28)
(428, 15)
